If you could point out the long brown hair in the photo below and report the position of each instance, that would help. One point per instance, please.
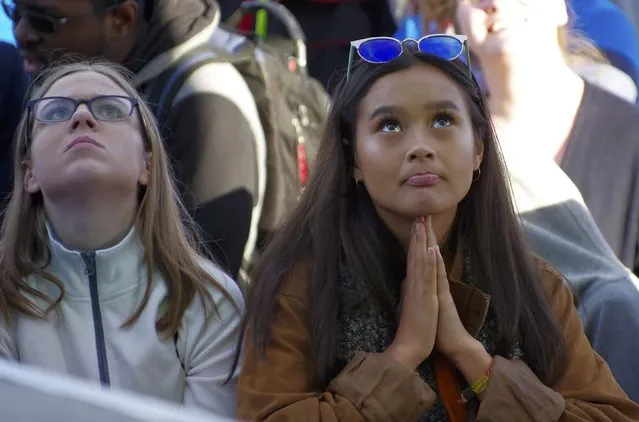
(163, 225)
(336, 222)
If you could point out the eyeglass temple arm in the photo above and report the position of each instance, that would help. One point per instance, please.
(350, 61)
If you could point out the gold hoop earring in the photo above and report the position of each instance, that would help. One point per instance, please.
(476, 175)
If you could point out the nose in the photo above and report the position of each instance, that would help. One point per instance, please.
(82, 118)
(24, 33)
(421, 148)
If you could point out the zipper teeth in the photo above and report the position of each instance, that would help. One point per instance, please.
(103, 365)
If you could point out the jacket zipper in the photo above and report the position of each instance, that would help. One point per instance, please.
(100, 345)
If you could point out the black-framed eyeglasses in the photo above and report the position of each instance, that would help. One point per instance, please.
(385, 49)
(41, 22)
(107, 108)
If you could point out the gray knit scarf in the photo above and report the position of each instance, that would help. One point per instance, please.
(367, 326)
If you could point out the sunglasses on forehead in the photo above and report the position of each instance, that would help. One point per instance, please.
(379, 50)
(40, 21)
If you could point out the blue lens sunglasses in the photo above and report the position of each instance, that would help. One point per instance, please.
(378, 50)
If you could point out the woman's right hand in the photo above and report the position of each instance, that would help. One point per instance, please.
(417, 329)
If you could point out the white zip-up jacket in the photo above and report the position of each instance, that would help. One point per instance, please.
(84, 338)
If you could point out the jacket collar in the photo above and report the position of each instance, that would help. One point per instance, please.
(119, 268)
(472, 304)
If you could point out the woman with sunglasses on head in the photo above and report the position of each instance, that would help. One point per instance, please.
(401, 288)
(100, 276)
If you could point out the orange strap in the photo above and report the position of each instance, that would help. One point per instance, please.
(449, 389)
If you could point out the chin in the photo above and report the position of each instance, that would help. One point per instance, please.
(422, 210)
(504, 45)
(91, 174)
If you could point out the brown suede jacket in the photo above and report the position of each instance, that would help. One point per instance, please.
(374, 387)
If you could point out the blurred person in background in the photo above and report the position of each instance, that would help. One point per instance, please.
(13, 88)
(99, 269)
(213, 129)
(536, 99)
(619, 43)
(562, 231)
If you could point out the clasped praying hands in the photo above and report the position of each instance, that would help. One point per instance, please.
(428, 317)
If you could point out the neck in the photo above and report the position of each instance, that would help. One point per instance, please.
(85, 221)
(538, 102)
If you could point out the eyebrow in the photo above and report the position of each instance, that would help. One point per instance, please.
(435, 105)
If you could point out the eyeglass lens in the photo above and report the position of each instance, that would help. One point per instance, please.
(110, 109)
(380, 50)
(444, 47)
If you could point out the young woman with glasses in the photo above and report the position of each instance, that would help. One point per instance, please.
(402, 288)
(100, 275)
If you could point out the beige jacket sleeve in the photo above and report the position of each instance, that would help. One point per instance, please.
(372, 387)
(586, 392)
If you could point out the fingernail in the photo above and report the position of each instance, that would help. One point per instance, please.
(431, 252)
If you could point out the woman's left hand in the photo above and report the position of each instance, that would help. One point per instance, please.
(452, 337)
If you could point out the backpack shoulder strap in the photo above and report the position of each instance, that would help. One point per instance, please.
(165, 87)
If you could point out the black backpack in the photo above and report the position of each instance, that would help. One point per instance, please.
(292, 106)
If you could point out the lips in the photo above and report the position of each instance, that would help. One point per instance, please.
(30, 63)
(496, 28)
(495, 24)
(83, 140)
(423, 180)
(34, 57)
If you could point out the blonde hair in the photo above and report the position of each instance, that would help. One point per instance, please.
(576, 48)
(162, 223)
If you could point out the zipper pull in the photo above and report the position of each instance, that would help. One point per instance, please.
(89, 263)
